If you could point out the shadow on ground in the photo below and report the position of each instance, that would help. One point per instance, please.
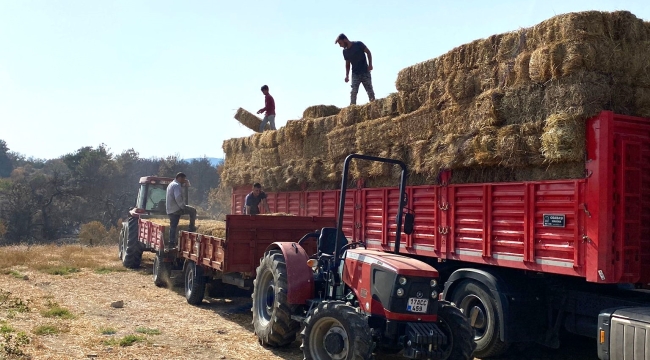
(235, 304)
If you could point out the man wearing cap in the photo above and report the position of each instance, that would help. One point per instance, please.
(354, 53)
(176, 207)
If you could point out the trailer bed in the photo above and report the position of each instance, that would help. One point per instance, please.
(247, 239)
(597, 227)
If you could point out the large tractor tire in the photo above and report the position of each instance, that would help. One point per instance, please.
(335, 330)
(271, 310)
(161, 271)
(133, 250)
(194, 283)
(476, 302)
(459, 333)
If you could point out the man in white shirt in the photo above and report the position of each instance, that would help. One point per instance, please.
(176, 207)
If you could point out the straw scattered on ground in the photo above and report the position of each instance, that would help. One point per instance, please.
(70, 316)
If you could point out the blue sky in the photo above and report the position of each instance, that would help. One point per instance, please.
(166, 77)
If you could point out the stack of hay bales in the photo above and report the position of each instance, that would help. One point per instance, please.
(511, 107)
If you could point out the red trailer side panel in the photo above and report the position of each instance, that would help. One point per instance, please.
(597, 227)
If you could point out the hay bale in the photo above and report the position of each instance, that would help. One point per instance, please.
(415, 126)
(265, 158)
(207, 227)
(642, 101)
(563, 139)
(341, 143)
(318, 111)
(249, 120)
(484, 146)
(374, 135)
(315, 136)
(349, 115)
(411, 101)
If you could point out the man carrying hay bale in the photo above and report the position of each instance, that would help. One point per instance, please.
(253, 200)
(176, 207)
(354, 53)
(269, 107)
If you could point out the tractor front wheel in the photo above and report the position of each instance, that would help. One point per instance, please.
(460, 335)
(271, 309)
(335, 330)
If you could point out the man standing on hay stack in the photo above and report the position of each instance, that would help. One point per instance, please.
(354, 53)
(176, 207)
(269, 107)
(253, 200)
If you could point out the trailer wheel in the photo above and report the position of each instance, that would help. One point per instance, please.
(161, 271)
(481, 309)
(335, 330)
(459, 332)
(194, 283)
(271, 311)
(133, 248)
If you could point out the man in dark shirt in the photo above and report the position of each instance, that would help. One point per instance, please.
(354, 53)
(253, 200)
(269, 107)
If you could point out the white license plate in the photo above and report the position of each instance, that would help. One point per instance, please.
(417, 305)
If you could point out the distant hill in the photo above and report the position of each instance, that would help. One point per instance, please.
(213, 161)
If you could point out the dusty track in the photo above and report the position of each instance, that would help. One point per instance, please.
(218, 329)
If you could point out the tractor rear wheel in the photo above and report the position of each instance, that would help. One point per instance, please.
(161, 271)
(335, 330)
(271, 310)
(460, 335)
(476, 303)
(194, 283)
(133, 249)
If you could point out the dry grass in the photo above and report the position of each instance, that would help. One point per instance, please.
(155, 323)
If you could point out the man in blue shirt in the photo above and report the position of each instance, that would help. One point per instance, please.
(176, 207)
(354, 53)
(253, 200)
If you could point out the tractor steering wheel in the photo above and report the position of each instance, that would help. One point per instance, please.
(353, 245)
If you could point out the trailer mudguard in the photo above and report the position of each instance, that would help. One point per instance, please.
(300, 277)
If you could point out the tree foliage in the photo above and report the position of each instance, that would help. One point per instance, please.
(44, 200)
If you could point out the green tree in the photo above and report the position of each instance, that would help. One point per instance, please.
(6, 167)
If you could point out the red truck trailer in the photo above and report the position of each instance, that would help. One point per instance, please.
(525, 260)
(230, 260)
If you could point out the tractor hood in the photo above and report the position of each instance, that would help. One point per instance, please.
(402, 265)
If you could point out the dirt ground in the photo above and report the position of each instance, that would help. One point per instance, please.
(69, 316)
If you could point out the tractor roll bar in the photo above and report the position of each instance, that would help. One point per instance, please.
(344, 183)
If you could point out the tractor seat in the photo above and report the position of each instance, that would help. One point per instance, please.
(327, 239)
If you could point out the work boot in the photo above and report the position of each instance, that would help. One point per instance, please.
(192, 228)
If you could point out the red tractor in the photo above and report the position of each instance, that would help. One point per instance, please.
(150, 201)
(353, 301)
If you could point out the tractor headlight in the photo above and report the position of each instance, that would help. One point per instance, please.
(434, 294)
(400, 292)
(434, 282)
(402, 280)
